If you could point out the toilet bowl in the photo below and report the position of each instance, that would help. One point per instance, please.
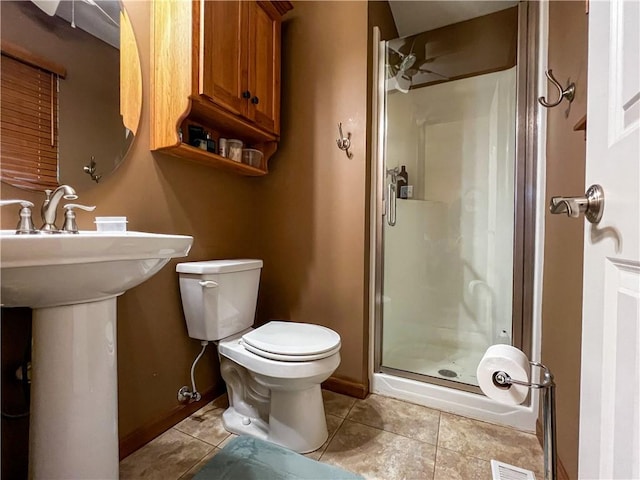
(273, 373)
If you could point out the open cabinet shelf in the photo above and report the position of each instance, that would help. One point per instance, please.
(203, 157)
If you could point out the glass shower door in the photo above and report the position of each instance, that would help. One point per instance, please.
(447, 283)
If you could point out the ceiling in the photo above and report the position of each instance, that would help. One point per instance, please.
(100, 18)
(413, 17)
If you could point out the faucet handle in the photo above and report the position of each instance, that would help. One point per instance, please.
(86, 208)
(70, 225)
(24, 203)
(25, 224)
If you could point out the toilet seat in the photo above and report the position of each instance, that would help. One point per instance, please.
(289, 358)
(292, 342)
(234, 349)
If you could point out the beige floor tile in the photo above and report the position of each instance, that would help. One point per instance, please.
(333, 423)
(205, 424)
(167, 457)
(455, 466)
(486, 441)
(395, 416)
(377, 454)
(337, 404)
(221, 402)
(192, 472)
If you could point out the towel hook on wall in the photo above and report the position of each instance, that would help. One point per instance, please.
(344, 143)
(568, 93)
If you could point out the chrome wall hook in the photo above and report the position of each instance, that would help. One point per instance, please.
(344, 143)
(91, 170)
(568, 93)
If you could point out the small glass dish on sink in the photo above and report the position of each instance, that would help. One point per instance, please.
(111, 224)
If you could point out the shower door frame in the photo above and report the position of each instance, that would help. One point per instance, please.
(525, 185)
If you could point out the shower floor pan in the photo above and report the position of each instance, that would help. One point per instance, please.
(457, 364)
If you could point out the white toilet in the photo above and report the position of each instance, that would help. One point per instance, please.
(273, 373)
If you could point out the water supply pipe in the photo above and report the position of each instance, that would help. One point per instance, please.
(186, 395)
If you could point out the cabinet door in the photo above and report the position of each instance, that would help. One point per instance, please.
(264, 66)
(223, 54)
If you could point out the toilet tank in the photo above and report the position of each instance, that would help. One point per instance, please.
(219, 296)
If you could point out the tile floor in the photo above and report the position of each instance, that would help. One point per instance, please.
(379, 438)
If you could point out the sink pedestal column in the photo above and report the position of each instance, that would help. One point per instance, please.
(74, 392)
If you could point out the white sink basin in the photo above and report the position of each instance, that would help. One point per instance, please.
(71, 282)
(51, 270)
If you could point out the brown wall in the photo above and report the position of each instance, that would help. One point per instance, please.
(563, 250)
(312, 226)
(306, 219)
(379, 15)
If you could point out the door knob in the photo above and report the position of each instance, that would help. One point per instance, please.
(246, 94)
(255, 100)
(592, 204)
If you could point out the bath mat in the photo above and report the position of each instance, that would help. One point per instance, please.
(248, 458)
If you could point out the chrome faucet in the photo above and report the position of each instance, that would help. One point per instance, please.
(50, 206)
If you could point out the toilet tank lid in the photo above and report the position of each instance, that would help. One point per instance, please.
(218, 266)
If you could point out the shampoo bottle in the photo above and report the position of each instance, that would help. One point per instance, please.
(402, 180)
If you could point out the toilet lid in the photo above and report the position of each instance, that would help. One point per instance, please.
(292, 341)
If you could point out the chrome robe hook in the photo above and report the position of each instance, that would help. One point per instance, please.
(344, 143)
(568, 93)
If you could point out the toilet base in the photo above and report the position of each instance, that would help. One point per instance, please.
(296, 421)
(239, 424)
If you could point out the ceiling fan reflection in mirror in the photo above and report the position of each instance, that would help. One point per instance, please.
(100, 18)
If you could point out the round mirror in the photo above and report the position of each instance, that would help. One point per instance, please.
(95, 96)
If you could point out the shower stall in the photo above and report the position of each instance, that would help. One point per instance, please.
(452, 237)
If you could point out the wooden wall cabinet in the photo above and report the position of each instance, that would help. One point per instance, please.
(246, 37)
(216, 65)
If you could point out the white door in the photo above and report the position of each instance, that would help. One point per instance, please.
(610, 377)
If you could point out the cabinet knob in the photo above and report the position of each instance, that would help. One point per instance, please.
(255, 100)
(246, 94)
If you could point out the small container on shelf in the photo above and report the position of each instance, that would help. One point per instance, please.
(196, 134)
(222, 147)
(234, 148)
(211, 144)
(252, 157)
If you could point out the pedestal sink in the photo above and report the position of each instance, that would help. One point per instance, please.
(71, 282)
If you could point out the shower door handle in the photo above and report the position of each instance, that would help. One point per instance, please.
(391, 205)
